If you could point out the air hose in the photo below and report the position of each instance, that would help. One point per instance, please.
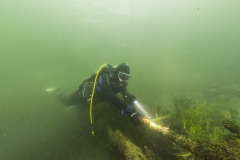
(93, 90)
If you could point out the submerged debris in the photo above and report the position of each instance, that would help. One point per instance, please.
(125, 146)
(205, 150)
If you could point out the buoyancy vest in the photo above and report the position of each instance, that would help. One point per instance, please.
(87, 86)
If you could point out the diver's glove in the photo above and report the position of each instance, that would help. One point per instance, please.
(128, 109)
(135, 117)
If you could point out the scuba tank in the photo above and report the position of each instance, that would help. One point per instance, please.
(87, 86)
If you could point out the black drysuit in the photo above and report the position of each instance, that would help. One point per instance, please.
(106, 89)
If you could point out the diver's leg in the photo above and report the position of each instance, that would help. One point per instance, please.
(73, 99)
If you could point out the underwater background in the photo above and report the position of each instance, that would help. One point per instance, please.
(187, 49)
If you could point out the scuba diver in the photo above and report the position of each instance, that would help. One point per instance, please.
(107, 82)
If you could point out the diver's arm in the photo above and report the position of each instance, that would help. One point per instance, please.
(109, 95)
(128, 97)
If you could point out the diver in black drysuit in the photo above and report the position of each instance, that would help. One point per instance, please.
(111, 80)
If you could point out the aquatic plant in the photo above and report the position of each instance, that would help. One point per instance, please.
(198, 122)
(185, 155)
(181, 105)
(194, 122)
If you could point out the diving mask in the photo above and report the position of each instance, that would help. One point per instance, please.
(124, 76)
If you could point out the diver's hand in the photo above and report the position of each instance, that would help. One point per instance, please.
(135, 117)
(128, 109)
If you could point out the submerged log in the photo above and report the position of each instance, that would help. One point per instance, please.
(127, 148)
(205, 150)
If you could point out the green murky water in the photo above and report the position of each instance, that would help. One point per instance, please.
(175, 47)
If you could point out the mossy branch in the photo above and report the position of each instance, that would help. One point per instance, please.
(128, 149)
(205, 150)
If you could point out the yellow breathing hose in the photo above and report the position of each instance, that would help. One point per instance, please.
(94, 86)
